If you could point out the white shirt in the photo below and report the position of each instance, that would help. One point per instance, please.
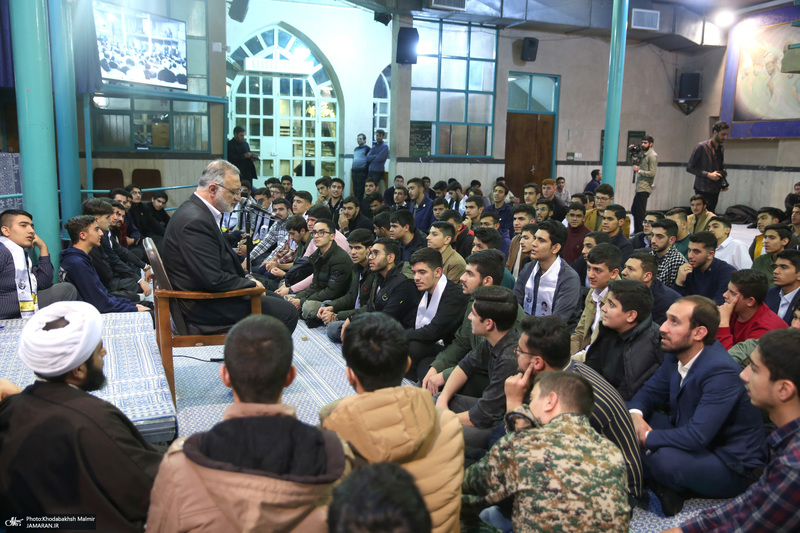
(214, 211)
(598, 300)
(786, 301)
(684, 369)
(734, 253)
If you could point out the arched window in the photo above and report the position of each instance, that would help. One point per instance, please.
(380, 101)
(284, 99)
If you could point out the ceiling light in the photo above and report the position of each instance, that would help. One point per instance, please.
(724, 19)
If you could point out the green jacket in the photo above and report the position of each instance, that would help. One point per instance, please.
(647, 172)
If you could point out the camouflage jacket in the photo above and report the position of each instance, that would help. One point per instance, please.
(564, 476)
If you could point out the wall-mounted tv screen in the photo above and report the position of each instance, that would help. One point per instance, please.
(139, 47)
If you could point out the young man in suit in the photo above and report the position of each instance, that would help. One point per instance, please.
(783, 296)
(197, 257)
(713, 439)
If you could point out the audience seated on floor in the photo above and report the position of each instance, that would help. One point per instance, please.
(561, 473)
(783, 296)
(403, 230)
(678, 216)
(494, 313)
(24, 287)
(772, 503)
(642, 266)
(663, 248)
(547, 285)
(704, 274)
(524, 214)
(744, 315)
(627, 349)
(440, 238)
(544, 347)
(603, 267)
(392, 291)
(259, 469)
(484, 268)
(76, 268)
(333, 271)
(713, 439)
(776, 239)
(613, 218)
(732, 251)
(63, 450)
(379, 498)
(360, 241)
(766, 216)
(441, 306)
(389, 422)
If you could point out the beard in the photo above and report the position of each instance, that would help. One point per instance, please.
(95, 379)
(221, 205)
(683, 344)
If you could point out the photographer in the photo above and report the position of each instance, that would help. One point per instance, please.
(645, 163)
(706, 163)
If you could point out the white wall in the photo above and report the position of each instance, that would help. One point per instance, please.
(356, 47)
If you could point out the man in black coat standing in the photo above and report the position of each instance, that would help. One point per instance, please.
(197, 257)
(240, 155)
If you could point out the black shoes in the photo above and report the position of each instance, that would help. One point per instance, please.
(671, 501)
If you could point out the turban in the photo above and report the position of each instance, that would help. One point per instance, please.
(57, 351)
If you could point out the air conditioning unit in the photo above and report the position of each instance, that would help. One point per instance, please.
(449, 5)
(645, 19)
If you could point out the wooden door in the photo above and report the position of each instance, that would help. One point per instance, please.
(529, 143)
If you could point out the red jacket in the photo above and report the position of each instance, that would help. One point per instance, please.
(763, 321)
(574, 245)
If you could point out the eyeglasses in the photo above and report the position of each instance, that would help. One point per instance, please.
(320, 233)
(234, 192)
(517, 352)
(648, 222)
(136, 193)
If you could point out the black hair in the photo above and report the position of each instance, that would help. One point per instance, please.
(490, 262)
(793, 256)
(296, 223)
(751, 284)
(446, 228)
(375, 348)
(161, 194)
(489, 236)
(706, 238)
(96, 206)
(528, 209)
(633, 296)
(618, 210)
(352, 200)
(258, 356)
(338, 180)
(381, 220)
(361, 236)
(678, 212)
(706, 314)
(497, 303)
(669, 226)
(390, 246)
(575, 393)
(76, 225)
(7, 216)
(324, 180)
(432, 258)
(582, 198)
(699, 197)
(113, 192)
(605, 254)
(304, 195)
(403, 217)
(784, 231)
(599, 237)
(450, 214)
(780, 353)
(318, 211)
(577, 206)
(328, 224)
(492, 215)
(556, 231)
(648, 260)
(439, 201)
(548, 337)
(378, 498)
(237, 129)
(440, 186)
(720, 125)
(283, 202)
(475, 199)
(604, 188)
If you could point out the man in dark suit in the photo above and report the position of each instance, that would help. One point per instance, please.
(782, 297)
(714, 437)
(197, 257)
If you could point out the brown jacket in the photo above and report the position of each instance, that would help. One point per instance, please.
(591, 221)
(583, 335)
(513, 250)
(195, 492)
(696, 225)
(401, 425)
(453, 265)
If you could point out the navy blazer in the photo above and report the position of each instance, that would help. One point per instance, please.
(773, 301)
(711, 411)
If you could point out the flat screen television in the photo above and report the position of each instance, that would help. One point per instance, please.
(139, 47)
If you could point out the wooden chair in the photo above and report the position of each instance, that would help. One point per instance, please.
(178, 334)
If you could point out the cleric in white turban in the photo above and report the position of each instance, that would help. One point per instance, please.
(61, 338)
(63, 450)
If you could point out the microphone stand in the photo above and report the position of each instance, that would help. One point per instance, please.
(247, 207)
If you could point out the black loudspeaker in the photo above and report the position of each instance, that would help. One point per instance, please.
(407, 41)
(530, 47)
(689, 87)
(238, 10)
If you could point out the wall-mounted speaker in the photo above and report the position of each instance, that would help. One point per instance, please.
(689, 86)
(407, 41)
(530, 47)
(238, 10)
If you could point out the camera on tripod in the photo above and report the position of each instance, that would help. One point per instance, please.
(635, 152)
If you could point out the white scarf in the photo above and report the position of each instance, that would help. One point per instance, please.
(547, 290)
(26, 285)
(426, 312)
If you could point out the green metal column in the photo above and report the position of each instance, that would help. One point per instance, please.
(66, 108)
(616, 66)
(37, 141)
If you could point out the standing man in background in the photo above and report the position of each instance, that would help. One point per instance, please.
(358, 172)
(645, 175)
(240, 155)
(377, 156)
(707, 164)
